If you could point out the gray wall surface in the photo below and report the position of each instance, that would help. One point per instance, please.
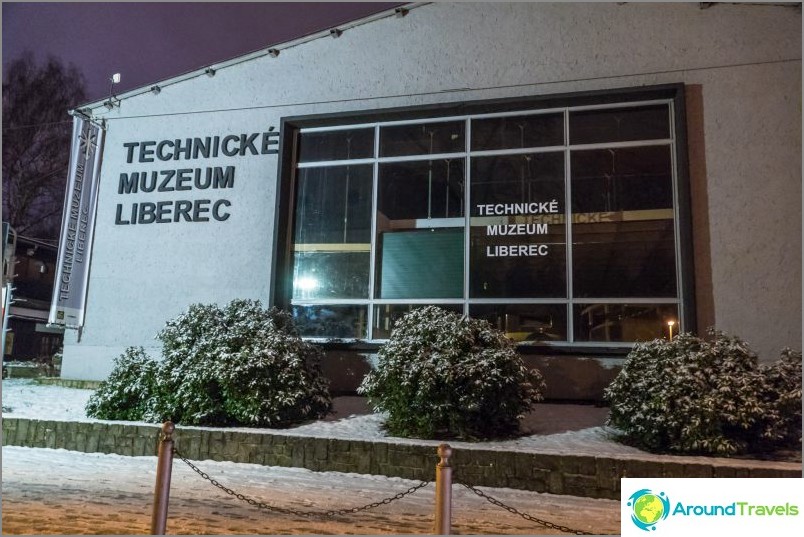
(741, 65)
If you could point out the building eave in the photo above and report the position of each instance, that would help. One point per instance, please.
(87, 108)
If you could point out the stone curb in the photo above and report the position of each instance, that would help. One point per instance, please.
(574, 474)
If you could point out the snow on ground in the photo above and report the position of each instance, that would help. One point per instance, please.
(58, 491)
(553, 428)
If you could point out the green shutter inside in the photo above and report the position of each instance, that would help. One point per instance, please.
(422, 264)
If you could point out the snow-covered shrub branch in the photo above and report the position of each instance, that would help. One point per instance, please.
(240, 364)
(690, 395)
(443, 375)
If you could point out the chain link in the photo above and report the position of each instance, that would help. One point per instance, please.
(296, 512)
(526, 516)
(372, 505)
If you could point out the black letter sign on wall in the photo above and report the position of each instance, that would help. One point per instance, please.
(208, 178)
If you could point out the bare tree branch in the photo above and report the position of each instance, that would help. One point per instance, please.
(35, 158)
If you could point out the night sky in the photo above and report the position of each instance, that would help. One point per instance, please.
(148, 42)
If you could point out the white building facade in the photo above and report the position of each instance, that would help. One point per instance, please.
(581, 175)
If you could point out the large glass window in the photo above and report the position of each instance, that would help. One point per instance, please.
(558, 226)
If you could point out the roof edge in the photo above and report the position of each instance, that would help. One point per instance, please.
(86, 109)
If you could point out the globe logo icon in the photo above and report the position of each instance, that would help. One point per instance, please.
(648, 508)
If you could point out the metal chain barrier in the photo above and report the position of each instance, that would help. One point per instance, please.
(526, 516)
(296, 512)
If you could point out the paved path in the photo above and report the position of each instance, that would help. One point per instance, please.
(56, 491)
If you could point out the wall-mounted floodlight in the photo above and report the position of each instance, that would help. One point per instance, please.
(210, 72)
(273, 52)
(336, 33)
(400, 12)
(114, 79)
(155, 89)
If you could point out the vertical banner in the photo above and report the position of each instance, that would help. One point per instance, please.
(78, 223)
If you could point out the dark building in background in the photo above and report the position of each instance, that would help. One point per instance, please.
(31, 267)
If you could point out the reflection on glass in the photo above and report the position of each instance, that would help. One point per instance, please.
(619, 124)
(623, 322)
(332, 232)
(517, 178)
(517, 132)
(623, 223)
(333, 205)
(518, 235)
(336, 274)
(503, 268)
(328, 321)
(623, 179)
(525, 322)
(336, 145)
(422, 139)
(420, 190)
(624, 259)
(386, 316)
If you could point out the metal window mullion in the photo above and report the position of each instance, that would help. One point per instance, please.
(332, 163)
(627, 300)
(568, 230)
(335, 128)
(518, 151)
(467, 211)
(676, 231)
(517, 113)
(329, 301)
(422, 157)
(392, 301)
(373, 255)
(619, 104)
(436, 119)
(622, 145)
(504, 301)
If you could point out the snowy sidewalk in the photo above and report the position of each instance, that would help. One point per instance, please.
(48, 491)
(52, 491)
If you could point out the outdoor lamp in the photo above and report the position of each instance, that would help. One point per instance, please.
(114, 79)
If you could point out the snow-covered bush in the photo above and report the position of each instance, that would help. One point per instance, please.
(128, 390)
(783, 395)
(240, 364)
(689, 395)
(443, 375)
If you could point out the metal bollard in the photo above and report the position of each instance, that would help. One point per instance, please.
(443, 507)
(164, 465)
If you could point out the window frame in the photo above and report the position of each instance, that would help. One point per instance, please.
(671, 94)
